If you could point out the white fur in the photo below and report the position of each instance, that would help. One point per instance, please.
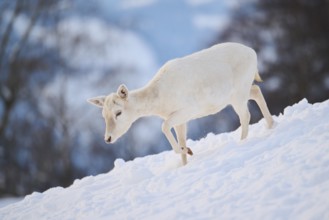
(188, 88)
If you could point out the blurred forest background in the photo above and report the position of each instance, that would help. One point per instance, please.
(54, 54)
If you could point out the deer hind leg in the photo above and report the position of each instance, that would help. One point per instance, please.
(257, 96)
(244, 115)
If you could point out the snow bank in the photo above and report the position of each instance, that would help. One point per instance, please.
(9, 200)
(282, 173)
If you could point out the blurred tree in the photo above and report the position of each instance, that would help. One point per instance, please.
(291, 38)
(31, 157)
(41, 143)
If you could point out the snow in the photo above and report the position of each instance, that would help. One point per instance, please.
(9, 200)
(278, 173)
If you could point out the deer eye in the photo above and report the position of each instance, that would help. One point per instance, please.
(118, 114)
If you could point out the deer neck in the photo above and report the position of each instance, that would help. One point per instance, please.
(144, 101)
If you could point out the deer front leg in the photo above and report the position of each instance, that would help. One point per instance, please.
(179, 147)
(180, 131)
(166, 129)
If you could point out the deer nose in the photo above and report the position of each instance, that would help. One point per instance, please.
(108, 140)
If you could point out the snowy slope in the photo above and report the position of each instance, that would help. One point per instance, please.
(282, 173)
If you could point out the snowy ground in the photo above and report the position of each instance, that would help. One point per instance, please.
(282, 173)
(9, 200)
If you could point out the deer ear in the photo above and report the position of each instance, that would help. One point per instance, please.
(98, 101)
(123, 91)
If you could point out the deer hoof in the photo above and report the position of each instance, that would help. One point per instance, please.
(189, 151)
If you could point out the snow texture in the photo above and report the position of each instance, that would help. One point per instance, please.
(281, 173)
(9, 200)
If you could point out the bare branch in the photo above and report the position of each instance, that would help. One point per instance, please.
(7, 32)
(19, 46)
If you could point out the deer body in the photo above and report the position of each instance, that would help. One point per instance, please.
(188, 88)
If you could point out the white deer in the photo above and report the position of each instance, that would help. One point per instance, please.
(187, 88)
